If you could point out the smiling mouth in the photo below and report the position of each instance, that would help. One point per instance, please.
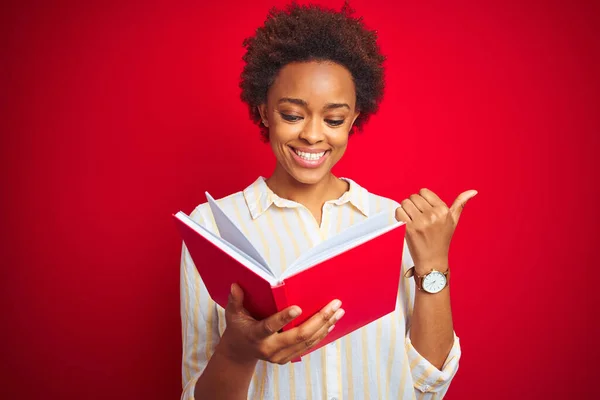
(309, 156)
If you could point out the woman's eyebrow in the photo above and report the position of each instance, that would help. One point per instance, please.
(299, 102)
(330, 106)
(303, 103)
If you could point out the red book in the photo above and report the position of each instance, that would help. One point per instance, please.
(359, 266)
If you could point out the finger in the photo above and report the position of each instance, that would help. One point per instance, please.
(401, 215)
(236, 299)
(300, 348)
(235, 303)
(311, 326)
(422, 204)
(460, 202)
(276, 322)
(409, 207)
(432, 198)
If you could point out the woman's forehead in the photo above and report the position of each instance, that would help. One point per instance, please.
(316, 83)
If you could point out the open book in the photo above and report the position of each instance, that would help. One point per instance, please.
(359, 266)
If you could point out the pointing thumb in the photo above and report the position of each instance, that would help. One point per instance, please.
(460, 202)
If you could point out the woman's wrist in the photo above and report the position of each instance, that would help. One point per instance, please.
(230, 350)
(226, 374)
(440, 265)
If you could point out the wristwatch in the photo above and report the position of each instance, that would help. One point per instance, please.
(432, 282)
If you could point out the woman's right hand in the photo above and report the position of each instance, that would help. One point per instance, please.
(247, 340)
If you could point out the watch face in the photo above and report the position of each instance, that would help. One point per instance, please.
(434, 282)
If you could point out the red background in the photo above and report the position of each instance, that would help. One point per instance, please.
(117, 114)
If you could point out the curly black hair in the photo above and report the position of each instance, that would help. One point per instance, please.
(313, 33)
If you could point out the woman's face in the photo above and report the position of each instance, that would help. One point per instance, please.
(309, 112)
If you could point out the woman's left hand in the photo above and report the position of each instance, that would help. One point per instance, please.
(430, 225)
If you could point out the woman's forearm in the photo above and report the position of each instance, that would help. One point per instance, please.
(431, 329)
(224, 378)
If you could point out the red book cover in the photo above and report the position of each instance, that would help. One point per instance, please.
(365, 278)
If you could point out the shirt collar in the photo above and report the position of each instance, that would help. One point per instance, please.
(357, 195)
(259, 197)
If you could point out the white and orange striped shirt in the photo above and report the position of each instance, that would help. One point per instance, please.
(377, 361)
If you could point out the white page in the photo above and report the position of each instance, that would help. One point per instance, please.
(330, 252)
(238, 255)
(231, 233)
(347, 236)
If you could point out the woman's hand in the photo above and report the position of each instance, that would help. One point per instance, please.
(430, 225)
(247, 340)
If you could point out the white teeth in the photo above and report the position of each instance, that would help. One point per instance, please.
(310, 156)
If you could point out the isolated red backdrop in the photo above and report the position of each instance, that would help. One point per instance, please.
(117, 114)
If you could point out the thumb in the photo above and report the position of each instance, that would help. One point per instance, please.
(236, 298)
(460, 202)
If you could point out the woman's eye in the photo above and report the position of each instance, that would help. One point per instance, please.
(334, 122)
(291, 118)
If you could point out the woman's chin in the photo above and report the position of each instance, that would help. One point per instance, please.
(309, 176)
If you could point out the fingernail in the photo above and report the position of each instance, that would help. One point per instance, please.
(231, 288)
(330, 328)
(338, 314)
(336, 305)
(294, 312)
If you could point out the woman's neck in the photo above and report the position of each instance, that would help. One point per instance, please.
(312, 196)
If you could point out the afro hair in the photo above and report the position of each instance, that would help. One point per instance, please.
(301, 33)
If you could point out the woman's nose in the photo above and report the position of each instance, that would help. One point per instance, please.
(312, 132)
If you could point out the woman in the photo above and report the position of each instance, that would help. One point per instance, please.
(313, 76)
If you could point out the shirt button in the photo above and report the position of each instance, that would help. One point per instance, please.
(426, 388)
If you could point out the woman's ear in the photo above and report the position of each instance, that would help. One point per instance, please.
(262, 110)
(354, 119)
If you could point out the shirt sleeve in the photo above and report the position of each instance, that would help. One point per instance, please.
(199, 321)
(429, 382)
(426, 377)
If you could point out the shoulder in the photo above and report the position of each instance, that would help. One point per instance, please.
(202, 214)
(370, 203)
(379, 203)
(238, 206)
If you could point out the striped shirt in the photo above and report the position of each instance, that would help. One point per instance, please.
(377, 361)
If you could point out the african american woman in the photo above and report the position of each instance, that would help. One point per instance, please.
(312, 76)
